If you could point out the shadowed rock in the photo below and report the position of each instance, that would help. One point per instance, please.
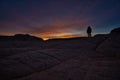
(95, 58)
(111, 46)
(115, 31)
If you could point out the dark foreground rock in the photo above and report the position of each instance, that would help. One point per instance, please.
(96, 58)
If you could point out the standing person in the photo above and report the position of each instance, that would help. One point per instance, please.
(89, 30)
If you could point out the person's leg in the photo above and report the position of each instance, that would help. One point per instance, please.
(89, 34)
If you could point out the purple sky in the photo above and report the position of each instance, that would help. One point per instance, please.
(58, 18)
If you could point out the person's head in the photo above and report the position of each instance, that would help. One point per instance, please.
(89, 27)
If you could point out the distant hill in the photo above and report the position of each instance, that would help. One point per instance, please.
(20, 37)
(62, 39)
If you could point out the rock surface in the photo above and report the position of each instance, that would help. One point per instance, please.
(96, 58)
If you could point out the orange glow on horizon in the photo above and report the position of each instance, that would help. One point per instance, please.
(45, 39)
(61, 37)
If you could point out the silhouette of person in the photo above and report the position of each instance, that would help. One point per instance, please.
(89, 30)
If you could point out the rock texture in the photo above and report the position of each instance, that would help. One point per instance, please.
(111, 46)
(95, 58)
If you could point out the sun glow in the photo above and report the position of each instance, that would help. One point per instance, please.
(45, 39)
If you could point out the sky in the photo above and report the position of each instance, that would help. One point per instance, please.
(58, 18)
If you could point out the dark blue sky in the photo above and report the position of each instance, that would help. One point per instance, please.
(58, 18)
